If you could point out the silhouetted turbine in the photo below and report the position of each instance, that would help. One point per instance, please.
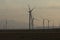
(30, 17)
(48, 22)
(6, 23)
(33, 23)
(53, 24)
(43, 21)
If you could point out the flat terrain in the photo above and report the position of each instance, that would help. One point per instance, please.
(42, 34)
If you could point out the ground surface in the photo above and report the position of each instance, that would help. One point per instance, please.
(52, 34)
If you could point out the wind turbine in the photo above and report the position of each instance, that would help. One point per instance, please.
(49, 23)
(6, 23)
(43, 21)
(53, 24)
(30, 17)
(33, 23)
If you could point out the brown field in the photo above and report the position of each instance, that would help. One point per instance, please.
(51, 34)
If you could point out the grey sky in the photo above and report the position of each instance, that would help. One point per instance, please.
(18, 9)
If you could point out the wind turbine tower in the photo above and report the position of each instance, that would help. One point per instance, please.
(48, 23)
(6, 23)
(30, 17)
(43, 23)
(32, 23)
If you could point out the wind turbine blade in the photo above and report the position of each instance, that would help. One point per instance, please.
(29, 7)
(32, 9)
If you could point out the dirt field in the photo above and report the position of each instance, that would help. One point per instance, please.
(53, 34)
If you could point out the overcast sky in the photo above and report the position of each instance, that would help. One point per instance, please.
(18, 10)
